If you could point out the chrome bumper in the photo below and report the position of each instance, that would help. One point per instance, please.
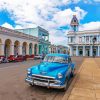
(49, 85)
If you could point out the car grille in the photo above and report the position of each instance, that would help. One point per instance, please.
(42, 78)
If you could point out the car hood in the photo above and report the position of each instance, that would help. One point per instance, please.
(49, 68)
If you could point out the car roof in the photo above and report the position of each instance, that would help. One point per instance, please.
(59, 54)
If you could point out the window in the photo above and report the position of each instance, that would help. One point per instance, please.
(55, 59)
(80, 39)
(87, 38)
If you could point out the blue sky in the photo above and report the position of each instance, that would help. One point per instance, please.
(53, 15)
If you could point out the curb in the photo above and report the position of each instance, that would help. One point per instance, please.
(68, 92)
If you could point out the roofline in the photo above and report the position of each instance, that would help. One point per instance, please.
(39, 27)
(84, 32)
(15, 32)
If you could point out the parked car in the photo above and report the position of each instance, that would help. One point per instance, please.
(4, 60)
(53, 72)
(1, 59)
(19, 58)
(37, 57)
(11, 58)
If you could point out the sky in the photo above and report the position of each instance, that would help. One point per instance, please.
(52, 15)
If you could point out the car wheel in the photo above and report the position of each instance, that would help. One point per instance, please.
(72, 73)
(66, 85)
(31, 84)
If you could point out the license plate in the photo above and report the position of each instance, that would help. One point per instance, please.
(40, 83)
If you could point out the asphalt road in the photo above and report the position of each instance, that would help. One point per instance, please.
(13, 86)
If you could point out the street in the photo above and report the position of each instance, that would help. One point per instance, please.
(14, 87)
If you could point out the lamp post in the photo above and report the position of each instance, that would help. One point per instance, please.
(94, 40)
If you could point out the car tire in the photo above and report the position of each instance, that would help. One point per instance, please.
(31, 84)
(66, 85)
(72, 73)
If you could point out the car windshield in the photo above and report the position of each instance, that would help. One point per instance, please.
(55, 59)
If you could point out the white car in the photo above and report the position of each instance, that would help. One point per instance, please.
(38, 57)
(1, 59)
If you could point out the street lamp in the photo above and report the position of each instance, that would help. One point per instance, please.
(94, 40)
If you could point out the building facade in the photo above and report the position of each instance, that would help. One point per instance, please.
(13, 42)
(43, 37)
(58, 49)
(81, 42)
(53, 48)
(62, 49)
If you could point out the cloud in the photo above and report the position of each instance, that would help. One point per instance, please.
(90, 26)
(45, 13)
(97, 0)
(7, 25)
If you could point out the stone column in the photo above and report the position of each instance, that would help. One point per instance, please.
(77, 51)
(85, 39)
(89, 39)
(83, 50)
(32, 49)
(2, 49)
(12, 50)
(27, 49)
(91, 51)
(20, 50)
(71, 51)
(98, 51)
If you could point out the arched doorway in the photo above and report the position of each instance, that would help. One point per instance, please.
(7, 47)
(16, 47)
(40, 49)
(30, 49)
(80, 52)
(94, 51)
(24, 48)
(0, 46)
(35, 49)
(87, 52)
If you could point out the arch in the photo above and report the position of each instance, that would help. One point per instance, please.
(7, 47)
(80, 52)
(30, 49)
(0, 46)
(35, 49)
(16, 47)
(24, 48)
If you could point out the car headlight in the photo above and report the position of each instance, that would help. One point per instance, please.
(28, 71)
(60, 75)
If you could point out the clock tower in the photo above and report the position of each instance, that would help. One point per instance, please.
(74, 23)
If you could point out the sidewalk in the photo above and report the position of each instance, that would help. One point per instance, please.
(87, 85)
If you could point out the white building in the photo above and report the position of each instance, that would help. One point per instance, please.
(13, 42)
(81, 42)
(58, 49)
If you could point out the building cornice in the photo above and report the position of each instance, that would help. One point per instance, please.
(84, 32)
(14, 33)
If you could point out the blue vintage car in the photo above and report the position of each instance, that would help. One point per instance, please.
(53, 72)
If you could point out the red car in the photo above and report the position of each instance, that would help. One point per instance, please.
(11, 58)
(19, 58)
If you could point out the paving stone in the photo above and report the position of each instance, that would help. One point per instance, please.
(87, 86)
(83, 92)
(96, 80)
(97, 92)
(97, 86)
(74, 97)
